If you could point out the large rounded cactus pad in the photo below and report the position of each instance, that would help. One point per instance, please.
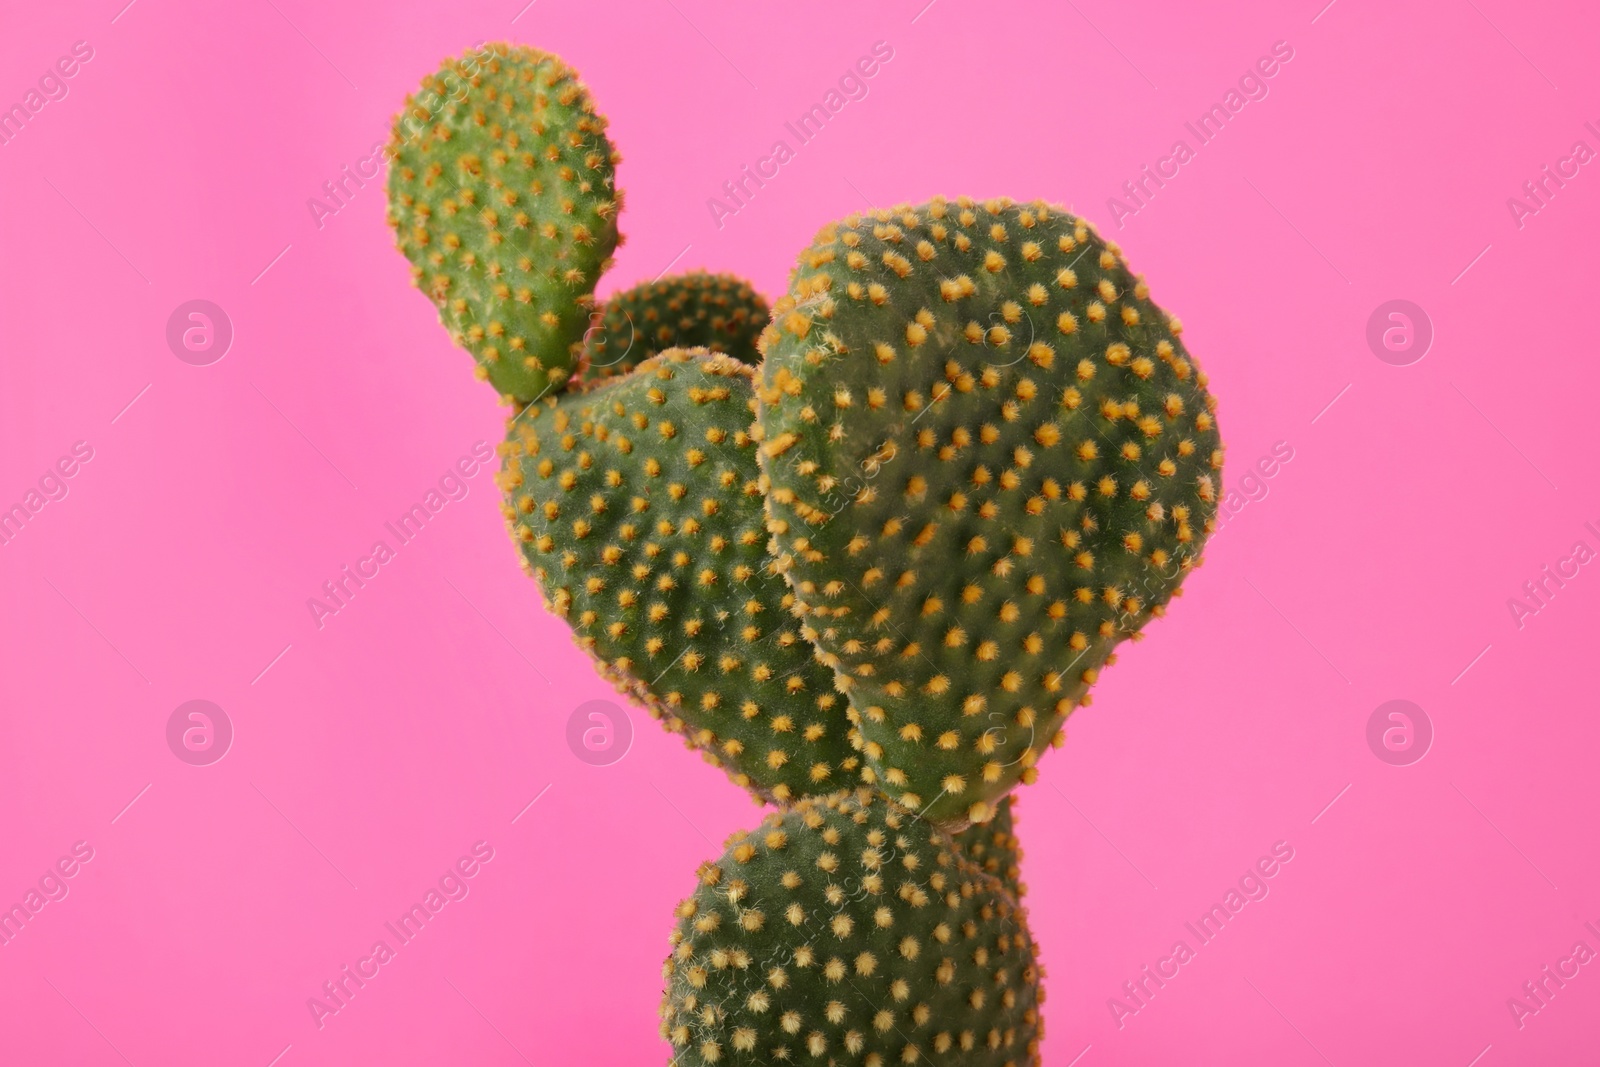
(990, 459)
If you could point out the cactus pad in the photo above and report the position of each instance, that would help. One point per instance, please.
(990, 459)
(720, 312)
(501, 195)
(848, 931)
(635, 505)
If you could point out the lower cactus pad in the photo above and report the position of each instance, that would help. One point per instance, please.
(849, 931)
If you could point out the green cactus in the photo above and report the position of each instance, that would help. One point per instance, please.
(635, 505)
(869, 580)
(720, 312)
(995, 847)
(847, 930)
(501, 195)
(989, 459)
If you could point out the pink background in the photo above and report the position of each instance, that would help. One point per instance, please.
(428, 713)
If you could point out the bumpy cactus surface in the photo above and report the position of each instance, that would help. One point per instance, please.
(869, 579)
(501, 195)
(847, 931)
(995, 847)
(636, 507)
(990, 459)
(719, 312)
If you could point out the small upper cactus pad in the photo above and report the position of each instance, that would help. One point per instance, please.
(636, 506)
(501, 194)
(848, 931)
(719, 312)
(990, 460)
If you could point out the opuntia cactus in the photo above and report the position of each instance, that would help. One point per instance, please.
(989, 459)
(719, 312)
(869, 581)
(847, 930)
(636, 507)
(501, 195)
